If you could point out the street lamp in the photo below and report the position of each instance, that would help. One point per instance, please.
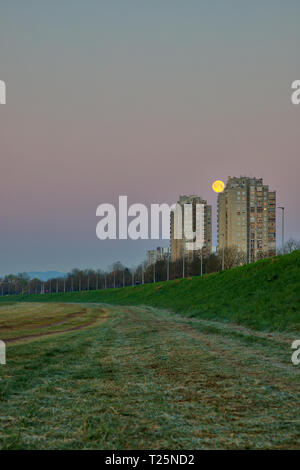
(222, 235)
(249, 245)
(168, 265)
(282, 228)
(201, 260)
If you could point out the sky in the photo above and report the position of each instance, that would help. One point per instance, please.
(149, 99)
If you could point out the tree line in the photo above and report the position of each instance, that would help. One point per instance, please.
(118, 275)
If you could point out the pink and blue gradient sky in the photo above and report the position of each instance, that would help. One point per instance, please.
(146, 98)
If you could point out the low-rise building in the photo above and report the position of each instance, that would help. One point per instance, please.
(160, 253)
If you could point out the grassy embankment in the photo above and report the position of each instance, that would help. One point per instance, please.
(264, 295)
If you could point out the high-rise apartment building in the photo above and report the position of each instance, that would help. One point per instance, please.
(190, 230)
(247, 217)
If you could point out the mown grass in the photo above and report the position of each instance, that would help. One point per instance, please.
(148, 379)
(264, 295)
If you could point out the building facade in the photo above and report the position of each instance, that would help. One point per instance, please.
(247, 217)
(190, 228)
(159, 254)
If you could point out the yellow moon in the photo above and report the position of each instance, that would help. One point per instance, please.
(218, 186)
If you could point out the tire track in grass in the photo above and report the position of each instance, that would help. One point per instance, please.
(56, 332)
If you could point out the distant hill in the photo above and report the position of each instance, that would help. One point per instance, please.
(45, 275)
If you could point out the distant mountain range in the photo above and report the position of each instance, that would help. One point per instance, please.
(45, 275)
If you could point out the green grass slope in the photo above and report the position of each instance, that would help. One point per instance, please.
(264, 295)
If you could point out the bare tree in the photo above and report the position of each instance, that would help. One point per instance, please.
(232, 257)
(291, 245)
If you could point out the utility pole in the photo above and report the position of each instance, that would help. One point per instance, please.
(249, 247)
(282, 229)
(168, 265)
(223, 263)
(183, 266)
(202, 261)
(154, 274)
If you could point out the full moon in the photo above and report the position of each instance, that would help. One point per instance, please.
(218, 186)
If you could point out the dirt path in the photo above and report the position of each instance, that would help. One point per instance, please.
(56, 332)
